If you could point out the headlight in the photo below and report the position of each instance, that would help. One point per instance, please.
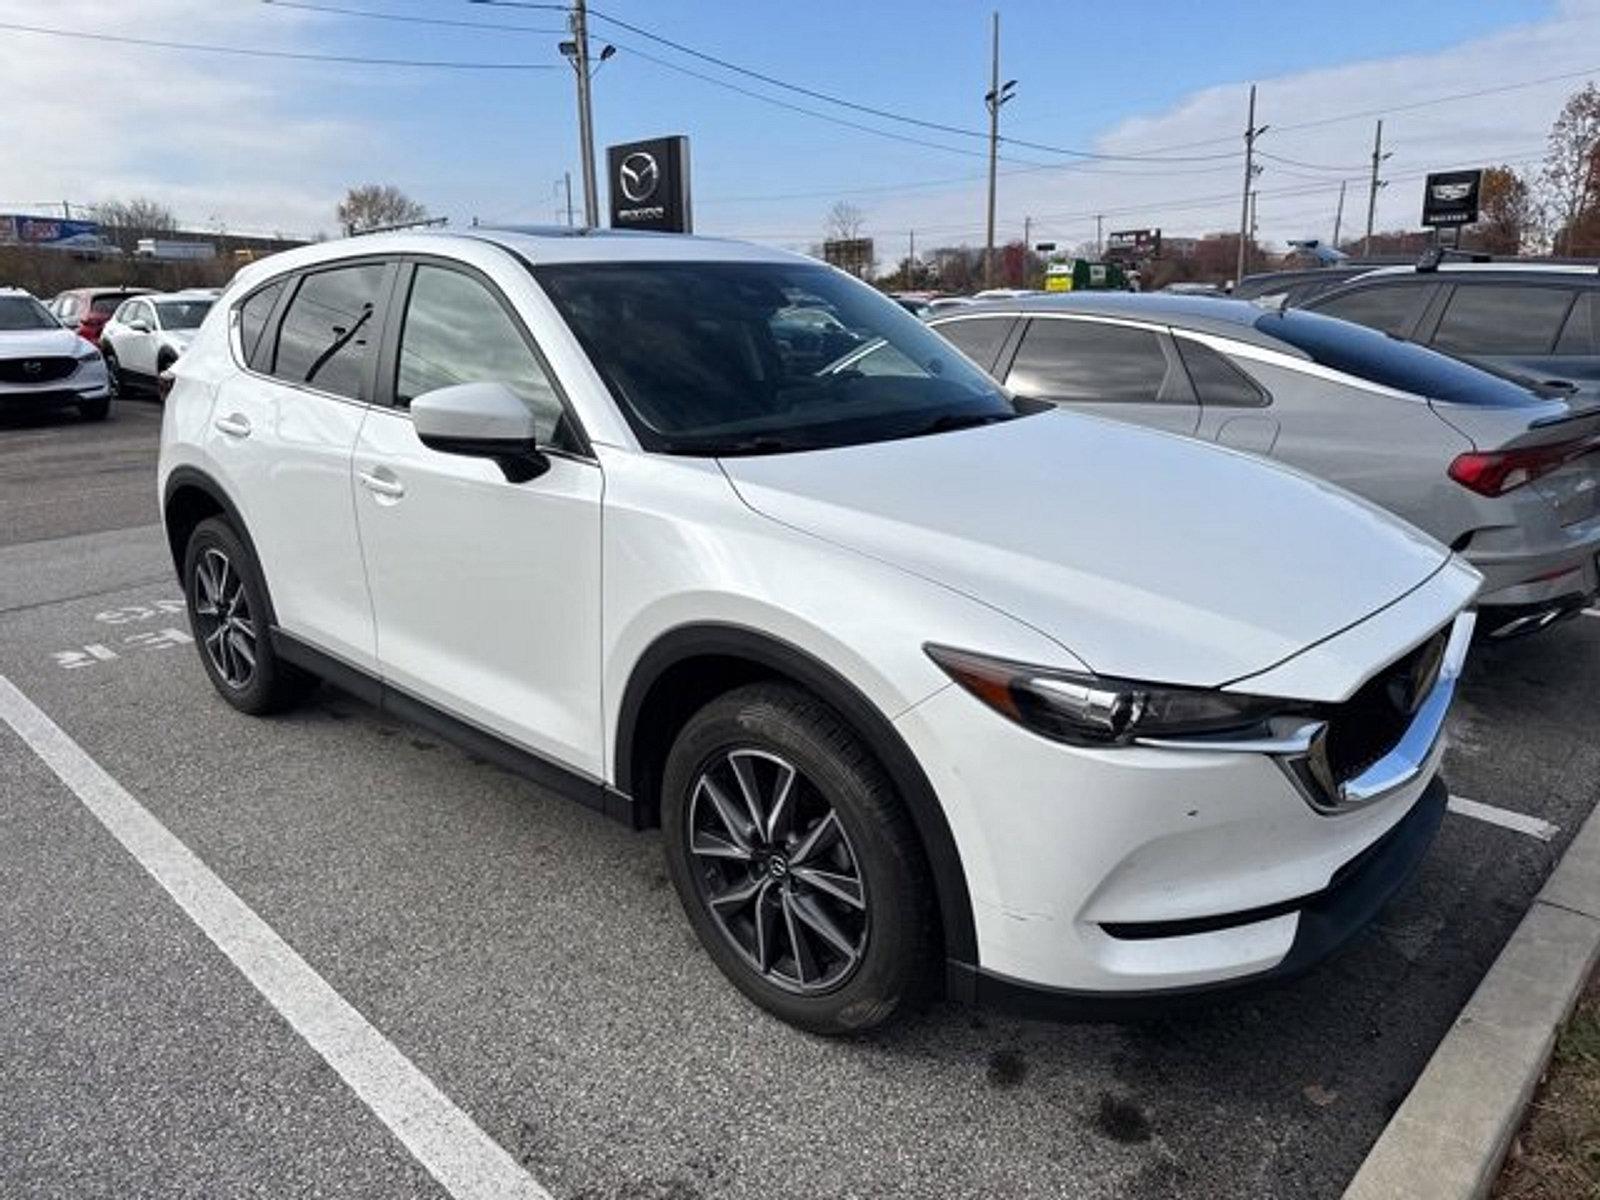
(1091, 710)
(85, 351)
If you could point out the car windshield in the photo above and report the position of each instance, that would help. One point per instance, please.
(756, 358)
(18, 313)
(182, 314)
(106, 304)
(1390, 362)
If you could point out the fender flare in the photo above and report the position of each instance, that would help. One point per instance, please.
(774, 654)
(194, 477)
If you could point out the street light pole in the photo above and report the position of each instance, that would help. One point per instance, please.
(993, 100)
(580, 62)
(1338, 216)
(1251, 133)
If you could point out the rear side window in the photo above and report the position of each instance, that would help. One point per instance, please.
(1089, 362)
(1389, 308)
(979, 338)
(107, 304)
(1498, 319)
(253, 314)
(1581, 333)
(1216, 380)
(1390, 362)
(330, 330)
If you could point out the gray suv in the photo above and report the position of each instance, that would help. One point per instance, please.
(1504, 471)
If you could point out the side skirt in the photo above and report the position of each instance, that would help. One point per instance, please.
(586, 790)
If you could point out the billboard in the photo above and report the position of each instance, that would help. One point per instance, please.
(849, 254)
(1134, 243)
(649, 184)
(52, 232)
(1451, 198)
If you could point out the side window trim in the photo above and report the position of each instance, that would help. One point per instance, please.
(388, 356)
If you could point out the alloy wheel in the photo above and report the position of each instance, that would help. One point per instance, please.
(226, 626)
(775, 869)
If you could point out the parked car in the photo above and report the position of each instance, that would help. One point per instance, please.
(1505, 473)
(146, 334)
(86, 310)
(43, 366)
(1536, 319)
(1298, 285)
(570, 500)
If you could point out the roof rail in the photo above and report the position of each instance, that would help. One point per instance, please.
(1434, 255)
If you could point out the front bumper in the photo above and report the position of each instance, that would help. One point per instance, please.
(1158, 871)
(87, 383)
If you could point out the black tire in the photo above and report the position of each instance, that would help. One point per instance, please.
(163, 364)
(256, 680)
(95, 410)
(777, 726)
(113, 371)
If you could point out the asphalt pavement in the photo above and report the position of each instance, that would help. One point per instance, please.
(530, 958)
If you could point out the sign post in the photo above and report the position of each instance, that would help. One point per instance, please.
(649, 185)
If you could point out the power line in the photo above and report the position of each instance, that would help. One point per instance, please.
(252, 52)
(402, 18)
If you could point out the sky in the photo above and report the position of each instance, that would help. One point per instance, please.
(1158, 90)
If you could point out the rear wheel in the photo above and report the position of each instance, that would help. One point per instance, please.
(113, 372)
(795, 861)
(227, 610)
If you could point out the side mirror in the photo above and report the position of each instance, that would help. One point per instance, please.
(139, 325)
(481, 420)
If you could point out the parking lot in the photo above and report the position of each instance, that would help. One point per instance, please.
(531, 960)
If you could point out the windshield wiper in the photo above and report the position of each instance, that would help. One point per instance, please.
(952, 421)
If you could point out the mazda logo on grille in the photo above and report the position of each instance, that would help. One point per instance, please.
(639, 176)
(33, 368)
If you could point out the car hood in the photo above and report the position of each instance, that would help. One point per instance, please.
(42, 343)
(1146, 555)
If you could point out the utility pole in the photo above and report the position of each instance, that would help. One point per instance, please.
(580, 61)
(1099, 236)
(1027, 247)
(1338, 216)
(996, 96)
(1372, 191)
(567, 179)
(911, 258)
(1251, 133)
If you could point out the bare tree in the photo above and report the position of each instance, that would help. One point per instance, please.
(845, 221)
(139, 213)
(1572, 166)
(376, 205)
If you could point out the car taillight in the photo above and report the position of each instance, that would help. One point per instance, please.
(1496, 472)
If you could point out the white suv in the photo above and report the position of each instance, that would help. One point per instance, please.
(921, 683)
(146, 335)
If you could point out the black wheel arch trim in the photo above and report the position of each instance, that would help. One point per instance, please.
(187, 476)
(765, 650)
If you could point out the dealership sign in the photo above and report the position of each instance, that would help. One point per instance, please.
(1451, 198)
(650, 185)
(1143, 243)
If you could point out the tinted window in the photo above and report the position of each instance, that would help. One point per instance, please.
(1581, 334)
(1216, 380)
(1392, 308)
(979, 338)
(457, 332)
(24, 312)
(1390, 362)
(764, 357)
(253, 314)
(1497, 319)
(329, 331)
(1075, 361)
(107, 304)
(182, 314)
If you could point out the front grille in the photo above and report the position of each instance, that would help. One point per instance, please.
(1369, 724)
(43, 369)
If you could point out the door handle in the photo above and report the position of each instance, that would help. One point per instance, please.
(234, 425)
(378, 485)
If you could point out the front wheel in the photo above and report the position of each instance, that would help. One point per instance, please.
(227, 605)
(113, 373)
(795, 860)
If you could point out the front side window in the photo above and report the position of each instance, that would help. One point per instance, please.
(18, 313)
(1388, 308)
(1496, 319)
(330, 330)
(1075, 362)
(763, 357)
(456, 331)
(979, 338)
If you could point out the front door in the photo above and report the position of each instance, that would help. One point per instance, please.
(486, 592)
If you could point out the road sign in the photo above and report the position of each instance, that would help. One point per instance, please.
(650, 185)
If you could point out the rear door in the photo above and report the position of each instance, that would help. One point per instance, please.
(284, 431)
(1110, 368)
(136, 347)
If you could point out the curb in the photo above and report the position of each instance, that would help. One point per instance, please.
(1448, 1139)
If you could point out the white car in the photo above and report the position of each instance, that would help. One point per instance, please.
(918, 681)
(146, 335)
(44, 366)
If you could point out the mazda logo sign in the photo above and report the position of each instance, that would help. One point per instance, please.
(639, 177)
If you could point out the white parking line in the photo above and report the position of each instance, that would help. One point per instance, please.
(1504, 817)
(466, 1161)
(1591, 612)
